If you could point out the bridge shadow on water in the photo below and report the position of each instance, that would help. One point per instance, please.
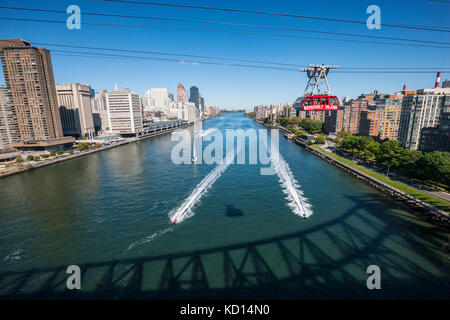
(327, 261)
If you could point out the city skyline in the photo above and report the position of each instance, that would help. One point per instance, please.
(228, 86)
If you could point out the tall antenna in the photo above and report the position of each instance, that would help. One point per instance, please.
(317, 74)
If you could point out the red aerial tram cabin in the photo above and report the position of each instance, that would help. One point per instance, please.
(317, 103)
(315, 99)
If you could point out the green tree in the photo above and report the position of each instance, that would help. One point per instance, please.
(367, 148)
(435, 166)
(410, 166)
(83, 146)
(391, 154)
(320, 139)
(283, 121)
(306, 124)
(349, 145)
(316, 126)
(343, 134)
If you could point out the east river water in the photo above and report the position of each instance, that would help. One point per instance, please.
(242, 234)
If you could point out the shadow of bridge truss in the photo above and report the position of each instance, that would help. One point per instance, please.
(289, 266)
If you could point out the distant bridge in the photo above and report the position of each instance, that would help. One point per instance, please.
(153, 127)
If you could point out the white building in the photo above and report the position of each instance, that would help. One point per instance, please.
(124, 112)
(161, 100)
(101, 121)
(74, 102)
(158, 99)
(99, 101)
(189, 111)
(419, 111)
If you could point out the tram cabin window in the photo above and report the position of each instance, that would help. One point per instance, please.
(334, 101)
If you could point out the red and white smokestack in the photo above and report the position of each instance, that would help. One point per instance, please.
(404, 87)
(438, 80)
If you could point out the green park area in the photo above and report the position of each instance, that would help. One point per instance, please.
(423, 196)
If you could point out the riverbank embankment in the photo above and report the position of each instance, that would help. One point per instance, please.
(66, 157)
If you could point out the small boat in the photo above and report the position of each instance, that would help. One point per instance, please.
(194, 157)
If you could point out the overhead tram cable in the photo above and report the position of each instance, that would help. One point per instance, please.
(228, 24)
(388, 24)
(362, 69)
(198, 62)
(234, 32)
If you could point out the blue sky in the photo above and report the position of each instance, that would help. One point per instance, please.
(227, 86)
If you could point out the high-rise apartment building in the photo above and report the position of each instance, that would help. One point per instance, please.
(158, 99)
(181, 93)
(419, 111)
(98, 101)
(30, 86)
(202, 105)
(334, 120)
(258, 112)
(351, 122)
(124, 112)
(214, 111)
(437, 139)
(186, 111)
(369, 123)
(8, 121)
(74, 101)
(381, 119)
(289, 111)
(101, 121)
(388, 115)
(194, 96)
(316, 115)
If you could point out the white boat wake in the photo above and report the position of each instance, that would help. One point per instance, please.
(150, 238)
(184, 211)
(297, 202)
(207, 132)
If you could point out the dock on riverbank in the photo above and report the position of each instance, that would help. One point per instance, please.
(62, 158)
(426, 210)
